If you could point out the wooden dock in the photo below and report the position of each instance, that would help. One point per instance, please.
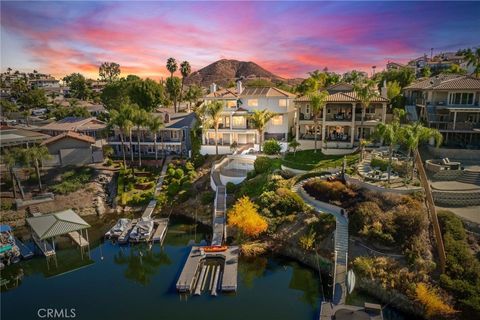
(78, 239)
(160, 231)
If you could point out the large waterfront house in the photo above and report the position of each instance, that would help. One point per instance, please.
(239, 103)
(173, 138)
(340, 125)
(449, 103)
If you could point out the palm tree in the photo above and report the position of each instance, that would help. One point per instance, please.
(35, 155)
(10, 159)
(473, 58)
(259, 120)
(155, 124)
(140, 118)
(318, 103)
(366, 91)
(120, 119)
(214, 113)
(390, 134)
(414, 134)
(172, 66)
(185, 70)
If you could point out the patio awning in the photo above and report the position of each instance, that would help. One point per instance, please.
(56, 224)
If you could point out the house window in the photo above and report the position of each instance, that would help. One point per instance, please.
(277, 120)
(253, 102)
(282, 103)
(238, 122)
(175, 134)
(231, 104)
(461, 98)
(227, 122)
(307, 109)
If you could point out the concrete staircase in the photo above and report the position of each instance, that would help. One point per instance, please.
(341, 241)
(468, 176)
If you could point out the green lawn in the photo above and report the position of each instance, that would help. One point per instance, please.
(310, 160)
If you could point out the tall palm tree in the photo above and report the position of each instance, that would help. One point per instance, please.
(34, 156)
(10, 159)
(414, 134)
(172, 66)
(318, 101)
(120, 119)
(390, 134)
(140, 119)
(366, 91)
(259, 119)
(473, 58)
(155, 124)
(185, 70)
(214, 113)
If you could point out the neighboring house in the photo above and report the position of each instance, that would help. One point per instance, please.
(71, 148)
(239, 104)
(340, 121)
(449, 103)
(86, 126)
(17, 137)
(173, 138)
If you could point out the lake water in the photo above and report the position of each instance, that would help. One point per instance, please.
(135, 282)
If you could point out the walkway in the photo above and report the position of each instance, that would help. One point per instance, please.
(158, 188)
(341, 241)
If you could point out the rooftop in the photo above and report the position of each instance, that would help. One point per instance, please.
(55, 224)
(266, 92)
(75, 124)
(72, 135)
(447, 82)
(11, 136)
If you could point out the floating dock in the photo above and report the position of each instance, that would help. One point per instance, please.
(78, 239)
(25, 251)
(160, 231)
(194, 274)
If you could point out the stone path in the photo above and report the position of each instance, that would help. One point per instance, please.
(341, 241)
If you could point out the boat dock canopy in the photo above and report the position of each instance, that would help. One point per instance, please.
(55, 224)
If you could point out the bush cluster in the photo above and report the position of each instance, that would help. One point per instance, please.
(271, 147)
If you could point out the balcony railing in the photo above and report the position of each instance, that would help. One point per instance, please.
(338, 117)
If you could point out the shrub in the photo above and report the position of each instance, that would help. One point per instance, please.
(280, 202)
(380, 163)
(231, 187)
(262, 164)
(307, 241)
(207, 197)
(109, 162)
(245, 217)
(271, 147)
(334, 191)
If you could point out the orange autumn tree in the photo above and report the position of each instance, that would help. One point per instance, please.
(245, 217)
(435, 307)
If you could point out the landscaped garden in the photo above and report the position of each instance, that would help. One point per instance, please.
(72, 180)
(137, 187)
(310, 160)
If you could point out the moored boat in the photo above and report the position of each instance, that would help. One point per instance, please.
(142, 231)
(121, 225)
(215, 248)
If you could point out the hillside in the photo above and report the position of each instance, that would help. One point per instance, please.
(225, 71)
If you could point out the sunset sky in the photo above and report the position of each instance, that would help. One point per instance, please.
(287, 38)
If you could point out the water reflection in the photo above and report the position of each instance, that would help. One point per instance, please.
(252, 268)
(141, 262)
(307, 281)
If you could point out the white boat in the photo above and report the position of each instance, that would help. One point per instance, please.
(121, 225)
(142, 231)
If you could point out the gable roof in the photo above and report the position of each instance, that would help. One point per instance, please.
(342, 97)
(72, 135)
(223, 93)
(447, 82)
(265, 92)
(75, 124)
(55, 224)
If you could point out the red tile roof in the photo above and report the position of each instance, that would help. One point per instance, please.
(70, 134)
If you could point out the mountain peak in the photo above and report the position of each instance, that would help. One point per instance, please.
(224, 71)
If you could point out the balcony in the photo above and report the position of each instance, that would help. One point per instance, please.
(339, 117)
(368, 117)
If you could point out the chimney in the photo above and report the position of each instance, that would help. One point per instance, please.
(383, 91)
(213, 88)
(166, 118)
(239, 87)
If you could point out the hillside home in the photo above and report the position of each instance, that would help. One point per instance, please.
(71, 148)
(340, 125)
(239, 103)
(449, 103)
